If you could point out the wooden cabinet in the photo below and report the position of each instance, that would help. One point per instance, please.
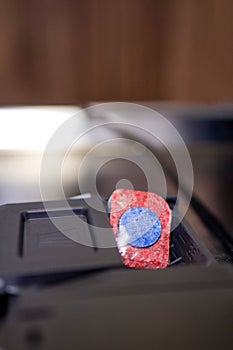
(65, 51)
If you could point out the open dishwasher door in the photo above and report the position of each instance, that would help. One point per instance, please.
(56, 293)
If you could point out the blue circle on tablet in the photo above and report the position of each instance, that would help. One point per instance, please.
(141, 226)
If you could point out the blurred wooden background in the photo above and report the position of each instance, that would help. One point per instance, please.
(67, 51)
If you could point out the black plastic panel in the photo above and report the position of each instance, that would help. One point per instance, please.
(169, 309)
(32, 245)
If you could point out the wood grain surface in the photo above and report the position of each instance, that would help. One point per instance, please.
(66, 51)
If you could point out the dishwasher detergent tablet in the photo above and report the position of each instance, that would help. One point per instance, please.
(141, 223)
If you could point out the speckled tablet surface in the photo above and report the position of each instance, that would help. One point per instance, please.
(141, 224)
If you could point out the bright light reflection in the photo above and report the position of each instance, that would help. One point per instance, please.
(30, 128)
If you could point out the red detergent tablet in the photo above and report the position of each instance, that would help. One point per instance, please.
(141, 223)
